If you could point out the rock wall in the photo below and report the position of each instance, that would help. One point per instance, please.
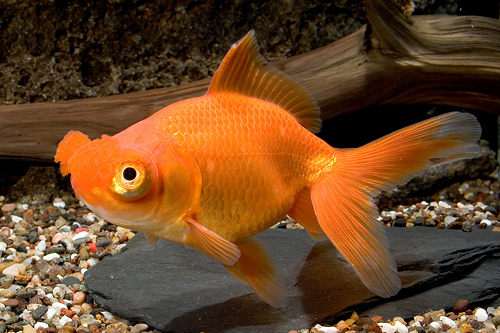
(54, 50)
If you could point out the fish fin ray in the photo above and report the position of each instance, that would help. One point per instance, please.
(343, 197)
(393, 159)
(348, 216)
(303, 212)
(260, 273)
(259, 79)
(211, 244)
(66, 148)
(237, 273)
(152, 239)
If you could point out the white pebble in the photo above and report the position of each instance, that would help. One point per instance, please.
(326, 329)
(82, 234)
(16, 219)
(3, 246)
(51, 312)
(425, 203)
(51, 256)
(107, 315)
(60, 204)
(481, 215)
(435, 324)
(387, 328)
(41, 324)
(443, 204)
(92, 261)
(65, 319)
(481, 315)
(89, 217)
(449, 219)
(487, 222)
(400, 327)
(14, 270)
(41, 246)
(480, 204)
(448, 321)
(58, 306)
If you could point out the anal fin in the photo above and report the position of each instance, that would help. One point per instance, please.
(303, 212)
(152, 239)
(254, 268)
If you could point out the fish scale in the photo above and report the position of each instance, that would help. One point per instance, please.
(211, 172)
(281, 167)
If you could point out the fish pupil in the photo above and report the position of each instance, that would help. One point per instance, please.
(129, 173)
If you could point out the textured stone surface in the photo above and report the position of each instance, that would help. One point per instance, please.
(173, 288)
(58, 50)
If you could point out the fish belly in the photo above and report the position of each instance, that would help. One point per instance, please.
(254, 159)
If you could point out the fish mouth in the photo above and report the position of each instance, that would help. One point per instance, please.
(89, 199)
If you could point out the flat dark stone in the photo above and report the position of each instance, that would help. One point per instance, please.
(176, 289)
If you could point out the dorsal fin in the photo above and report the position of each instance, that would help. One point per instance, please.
(244, 71)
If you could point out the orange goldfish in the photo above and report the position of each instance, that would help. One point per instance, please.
(213, 171)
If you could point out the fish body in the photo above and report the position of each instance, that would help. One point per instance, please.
(211, 172)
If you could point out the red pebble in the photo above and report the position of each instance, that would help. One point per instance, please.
(78, 230)
(66, 312)
(93, 247)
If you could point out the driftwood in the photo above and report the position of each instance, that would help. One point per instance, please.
(395, 59)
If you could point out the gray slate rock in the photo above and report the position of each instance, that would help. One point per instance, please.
(175, 289)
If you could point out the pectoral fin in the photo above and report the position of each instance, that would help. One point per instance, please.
(211, 244)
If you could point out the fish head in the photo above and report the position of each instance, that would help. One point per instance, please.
(120, 184)
(139, 187)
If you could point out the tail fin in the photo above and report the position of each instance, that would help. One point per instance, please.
(343, 198)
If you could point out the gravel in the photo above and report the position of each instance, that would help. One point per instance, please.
(46, 249)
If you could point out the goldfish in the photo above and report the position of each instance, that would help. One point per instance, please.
(212, 172)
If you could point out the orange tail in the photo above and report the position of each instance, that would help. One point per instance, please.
(342, 200)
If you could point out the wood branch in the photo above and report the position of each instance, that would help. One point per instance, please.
(395, 59)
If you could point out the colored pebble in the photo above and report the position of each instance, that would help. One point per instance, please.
(29, 317)
(481, 315)
(461, 305)
(8, 207)
(15, 270)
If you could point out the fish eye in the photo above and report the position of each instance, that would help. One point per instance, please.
(132, 181)
(129, 173)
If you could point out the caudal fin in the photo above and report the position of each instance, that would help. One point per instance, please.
(343, 198)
